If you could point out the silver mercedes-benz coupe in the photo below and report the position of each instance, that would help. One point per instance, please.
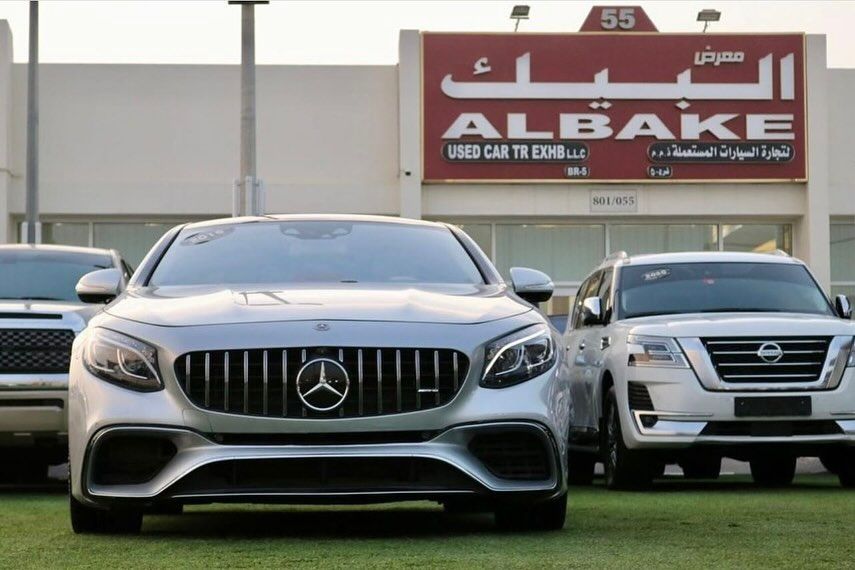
(318, 359)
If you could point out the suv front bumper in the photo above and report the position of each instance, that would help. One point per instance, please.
(33, 410)
(685, 414)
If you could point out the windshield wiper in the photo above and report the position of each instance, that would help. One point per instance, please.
(652, 314)
(742, 310)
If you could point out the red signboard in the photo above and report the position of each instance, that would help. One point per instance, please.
(613, 107)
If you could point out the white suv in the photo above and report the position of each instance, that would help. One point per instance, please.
(687, 358)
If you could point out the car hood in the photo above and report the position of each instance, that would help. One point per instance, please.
(218, 305)
(740, 324)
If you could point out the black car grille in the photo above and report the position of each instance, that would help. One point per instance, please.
(262, 382)
(515, 455)
(738, 360)
(35, 350)
(639, 397)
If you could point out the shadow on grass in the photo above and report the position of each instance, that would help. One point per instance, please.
(310, 524)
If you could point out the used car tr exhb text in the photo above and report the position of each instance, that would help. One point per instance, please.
(319, 359)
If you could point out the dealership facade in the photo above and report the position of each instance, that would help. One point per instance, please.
(127, 151)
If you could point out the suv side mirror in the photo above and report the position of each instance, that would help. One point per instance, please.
(532, 285)
(843, 307)
(100, 286)
(592, 311)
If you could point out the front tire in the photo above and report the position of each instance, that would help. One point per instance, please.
(580, 468)
(625, 468)
(846, 469)
(88, 520)
(773, 471)
(546, 516)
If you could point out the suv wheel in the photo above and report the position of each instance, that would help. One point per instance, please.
(831, 462)
(846, 469)
(580, 467)
(773, 471)
(548, 515)
(701, 467)
(625, 468)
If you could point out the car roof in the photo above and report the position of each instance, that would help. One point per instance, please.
(56, 249)
(621, 259)
(313, 218)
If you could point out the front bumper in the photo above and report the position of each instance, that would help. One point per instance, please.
(687, 415)
(204, 437)
(202, 470)
(33, 409)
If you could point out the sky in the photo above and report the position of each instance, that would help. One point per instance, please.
(361, 32)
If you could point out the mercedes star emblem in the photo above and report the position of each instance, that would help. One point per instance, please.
(322, 384)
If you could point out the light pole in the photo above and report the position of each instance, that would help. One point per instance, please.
(247, 184)
(519, 12)
(707, 16)
(33, 233)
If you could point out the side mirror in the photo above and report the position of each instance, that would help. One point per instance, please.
(532, 285)
(100, 286)
(592, 311)
(843, 307)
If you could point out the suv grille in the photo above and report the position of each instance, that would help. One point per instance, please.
(263, 382)
(35, 350)
(768, 360)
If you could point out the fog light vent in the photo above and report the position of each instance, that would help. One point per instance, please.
(639, 397)
(131, 459)
(518, 455)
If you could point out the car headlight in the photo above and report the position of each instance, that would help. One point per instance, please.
(852, 355)
(655, 351)
(518, 357)
(122, 360)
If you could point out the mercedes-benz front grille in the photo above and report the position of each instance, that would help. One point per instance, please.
(768, 360)
(35, 350)
(378, 381)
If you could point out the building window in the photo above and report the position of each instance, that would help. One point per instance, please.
(843, 259)
(651, 238)
(66, 233)
(569, 252)
(132, 240)
(564, 252)
(758, 238)
(482, 234)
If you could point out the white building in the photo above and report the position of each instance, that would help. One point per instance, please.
(127, 151)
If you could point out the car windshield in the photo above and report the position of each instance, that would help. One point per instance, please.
(45, 275)
(294, 252)
(718, 288)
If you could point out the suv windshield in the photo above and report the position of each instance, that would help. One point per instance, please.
(315, 252)
(45, 275)
(717, 288)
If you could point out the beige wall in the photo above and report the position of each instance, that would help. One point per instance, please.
(163, 139)
(841, 147)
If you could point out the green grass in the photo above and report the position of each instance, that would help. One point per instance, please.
(678, 524)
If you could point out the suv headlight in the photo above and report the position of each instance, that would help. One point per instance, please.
(518, 357)
(122, 360)
(655, 351)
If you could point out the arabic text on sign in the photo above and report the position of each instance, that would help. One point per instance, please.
(718, 152)
(601, 88)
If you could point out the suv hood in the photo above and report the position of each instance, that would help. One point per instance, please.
(62, 314)
(740, 324)
(216, 305)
